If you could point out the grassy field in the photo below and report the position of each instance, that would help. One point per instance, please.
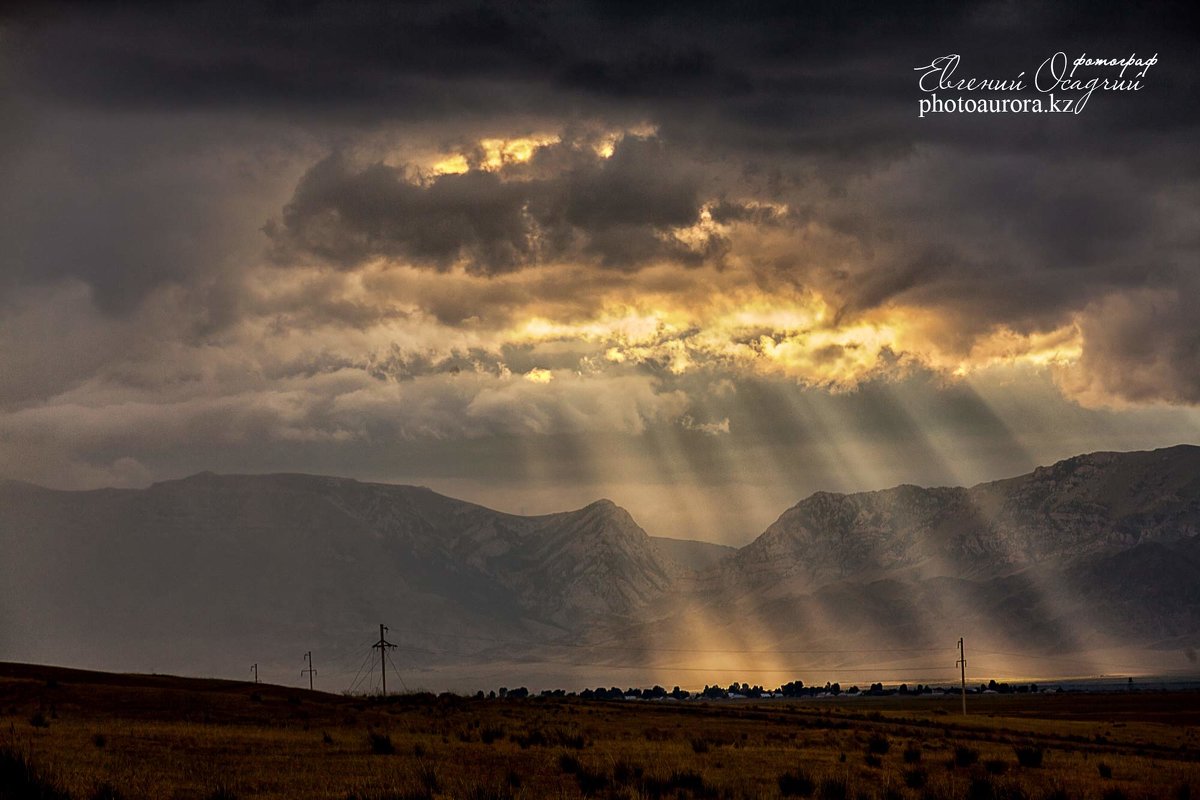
(66, 733)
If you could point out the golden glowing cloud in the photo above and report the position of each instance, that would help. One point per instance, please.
(492, 154)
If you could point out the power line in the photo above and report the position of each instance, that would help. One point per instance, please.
(399, 677)
(311, 672)
(962, 663)
(614, 644)
(383, 644)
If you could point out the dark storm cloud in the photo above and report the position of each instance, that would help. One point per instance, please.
(618, 211)
(1022, 221)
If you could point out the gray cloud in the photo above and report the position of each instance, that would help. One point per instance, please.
(143, 333)
(617, 211)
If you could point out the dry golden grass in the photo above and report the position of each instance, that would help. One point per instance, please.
(149, 737)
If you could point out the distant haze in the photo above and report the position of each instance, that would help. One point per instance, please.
(1090, 566)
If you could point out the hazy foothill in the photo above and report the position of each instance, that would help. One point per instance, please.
(1086, 567)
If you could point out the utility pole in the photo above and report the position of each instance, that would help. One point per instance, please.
(254, 669)
(310, 671)
(383, 644)
(962, 663)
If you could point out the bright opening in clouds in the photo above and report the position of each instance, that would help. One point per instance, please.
(533, 257)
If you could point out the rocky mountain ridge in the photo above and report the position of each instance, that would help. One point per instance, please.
(1095, 549)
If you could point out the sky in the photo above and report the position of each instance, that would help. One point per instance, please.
(702, 259)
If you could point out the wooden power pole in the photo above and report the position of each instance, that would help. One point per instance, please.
(310, 671)
(383, 644)
(962, 663)
(254, 669)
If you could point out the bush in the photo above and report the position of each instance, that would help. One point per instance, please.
(222, 793)
(687, 781)
(964, 756)
(99, 740)
(915, 778)
(626, 773)
(878, 743)
(1113, 794)
(427, 776)
(796, 784)
(981, 789)
(569, 764)
(38, 720)
(106, 791)
(699, 745)
(995, 766)
(491, 734)
(591, 782)
(912, 754)
(1029, 756)
(872, 760)
(1105, 770)
(833, 789)
(21, 778)
(381, 744)
(496, 791)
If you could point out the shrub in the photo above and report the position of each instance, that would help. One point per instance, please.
(20, 777)
(625, 773)
(995, 766)
(591, 782)
(569, 764)
(1105, 770)
(326, 738)
(796, 784)
(833, 789)
(491, 734)
(872, 760)
(222, 792)
(912, 754)
(490, 791)
(427, 776)
(106, 791)
(1029, 756)
(38, 720)
(687, 781)
(964, 756)
(981, 789)
(915, 778)
(699, 745)
(878, 743)
(381, 744)
(1113, 794)
(535, 737)
(99, 740)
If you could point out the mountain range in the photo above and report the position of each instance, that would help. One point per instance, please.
(1097, 554)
